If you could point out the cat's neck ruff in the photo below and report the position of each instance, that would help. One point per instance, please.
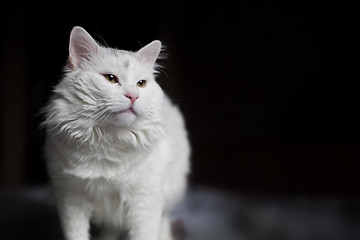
(140, 136)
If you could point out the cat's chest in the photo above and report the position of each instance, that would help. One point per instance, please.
(110, 167)
(101, 189)
(106, 173)
(108, 197)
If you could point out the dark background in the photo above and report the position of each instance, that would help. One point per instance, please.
(268, 88)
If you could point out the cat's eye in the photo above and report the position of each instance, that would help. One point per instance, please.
(141, 83)
(112, 78)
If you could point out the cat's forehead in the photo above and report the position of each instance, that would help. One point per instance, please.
(122, 58)
(114, 60)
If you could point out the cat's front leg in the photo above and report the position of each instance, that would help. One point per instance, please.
(74, 218)
(165, 228)
(144, 218)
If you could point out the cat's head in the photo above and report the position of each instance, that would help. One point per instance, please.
(106, 86)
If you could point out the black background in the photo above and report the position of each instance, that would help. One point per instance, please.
(268, 88)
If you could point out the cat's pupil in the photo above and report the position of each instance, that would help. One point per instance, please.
(111, 77)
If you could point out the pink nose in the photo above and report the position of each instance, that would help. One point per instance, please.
(132, 97)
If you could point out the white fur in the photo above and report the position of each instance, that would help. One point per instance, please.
(123, 171)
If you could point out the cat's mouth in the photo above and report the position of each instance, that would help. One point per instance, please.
(123, 117)
(126, 111)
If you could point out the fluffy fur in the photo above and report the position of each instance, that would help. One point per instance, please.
(117, 153)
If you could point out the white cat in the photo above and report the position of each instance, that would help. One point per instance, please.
(117, 149)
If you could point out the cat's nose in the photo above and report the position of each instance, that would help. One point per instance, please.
(132, 97)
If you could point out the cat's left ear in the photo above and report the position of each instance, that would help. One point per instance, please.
(150, 52)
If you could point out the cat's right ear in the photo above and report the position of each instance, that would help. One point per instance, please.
(81, 46)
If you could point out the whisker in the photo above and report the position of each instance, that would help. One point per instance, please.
(92, 109)
(105, 116)
(95, 115)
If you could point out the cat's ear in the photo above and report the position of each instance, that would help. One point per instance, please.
(81, 46)
(150, 52)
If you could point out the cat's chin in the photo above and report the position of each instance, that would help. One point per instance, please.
(124, 118)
